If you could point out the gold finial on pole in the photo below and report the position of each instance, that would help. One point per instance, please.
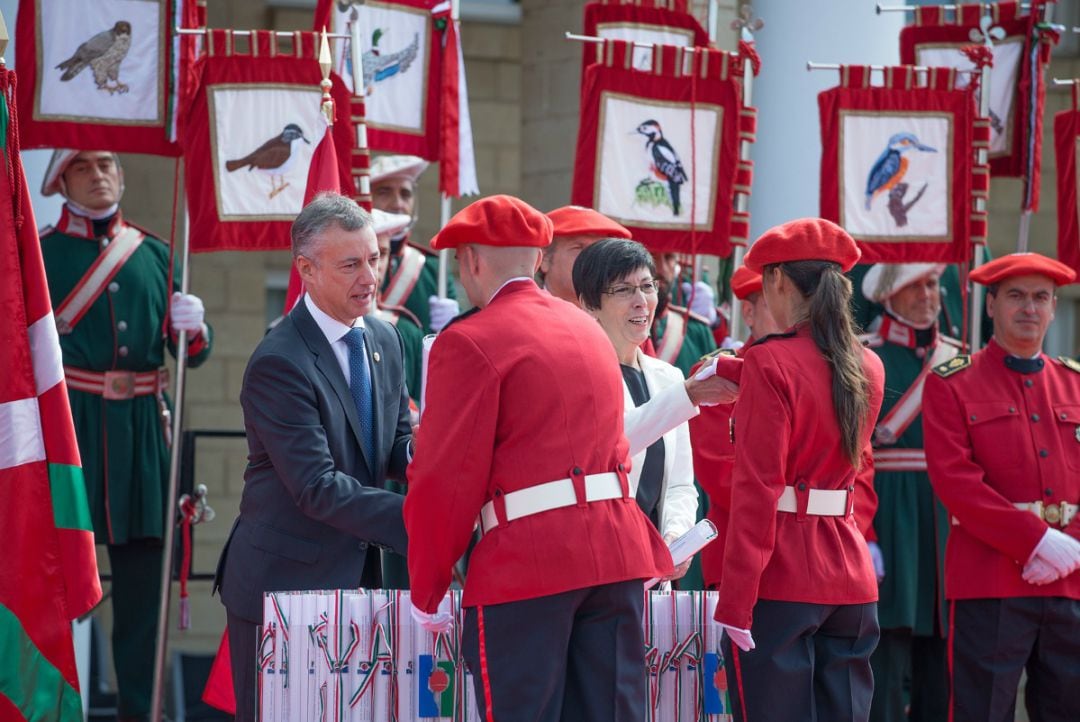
(326, 62)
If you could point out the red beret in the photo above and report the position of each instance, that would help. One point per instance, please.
(806, 239)
(1023, 264)
(582, 221)
(745, 282)
(496, 221)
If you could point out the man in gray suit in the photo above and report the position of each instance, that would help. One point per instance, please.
(327, 418)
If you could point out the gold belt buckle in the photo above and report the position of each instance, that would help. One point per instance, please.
(119, 385)
(1054, 513)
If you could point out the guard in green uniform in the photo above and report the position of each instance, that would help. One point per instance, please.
(116, 315)
(911, 525)
(681, 337)
(413, 279)
(395, 570)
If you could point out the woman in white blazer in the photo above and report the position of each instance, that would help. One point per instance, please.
(615, 282)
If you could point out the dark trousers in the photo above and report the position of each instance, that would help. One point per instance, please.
(900, 657)
(812, 662)
(136, 591)
(994, 640)
(576, 656)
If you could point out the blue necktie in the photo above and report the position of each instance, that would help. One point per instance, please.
(360, 386)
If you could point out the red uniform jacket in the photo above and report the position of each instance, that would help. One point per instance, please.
(520, 394)
(714, 458)
(785, 434)
(995, 436)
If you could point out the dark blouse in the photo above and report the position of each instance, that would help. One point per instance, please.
(651, 482)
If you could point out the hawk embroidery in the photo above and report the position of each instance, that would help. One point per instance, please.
(103, 53)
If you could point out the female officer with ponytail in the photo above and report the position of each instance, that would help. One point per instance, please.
(796, 567)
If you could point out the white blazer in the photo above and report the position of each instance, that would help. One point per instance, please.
(664, 416)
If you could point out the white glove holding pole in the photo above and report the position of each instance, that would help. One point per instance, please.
(1060, 551)
(878, 559)
(741, 638)
(186, 313)
(732, 343)
(440, 621)
(702, 299)
(442, 310)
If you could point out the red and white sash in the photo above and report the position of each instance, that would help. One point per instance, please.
(97, 277)
(672, 341)
(404, 279)
(908, 408)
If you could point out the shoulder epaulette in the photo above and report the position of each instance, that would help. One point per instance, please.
(46, 230)
(461, 317)
(871, 340)
(402, 311)
(1070, 363)
(953, 365)
(718, 352)
(146, 231)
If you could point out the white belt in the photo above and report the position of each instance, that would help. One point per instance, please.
(822, 502)
(551, 495)
(1059, 514)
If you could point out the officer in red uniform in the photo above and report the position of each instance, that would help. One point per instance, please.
(574, 228)
(796, 565)
(710, 431)
(1003, 450)
(523, 432)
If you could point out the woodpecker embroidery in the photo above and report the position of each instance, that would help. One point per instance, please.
(665, 163)
(891, 165)
(275, 157)
(103, 53)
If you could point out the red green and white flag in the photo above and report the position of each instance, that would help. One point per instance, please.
(48, 570)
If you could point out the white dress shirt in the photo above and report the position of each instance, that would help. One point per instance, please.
(335, 331)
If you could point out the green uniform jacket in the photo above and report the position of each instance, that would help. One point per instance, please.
(125, 457)
(911, 524)
(697, 340)
(427, 285)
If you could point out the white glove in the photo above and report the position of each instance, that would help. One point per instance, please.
(1038, 572)
(703, 302)
(440, 621)
(731, 343)
(1060, 551)
(878, 559)
(707, 371)
(442, 311)
(741, 638)
(186, 313)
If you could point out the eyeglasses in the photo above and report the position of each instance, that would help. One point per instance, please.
(625, 291)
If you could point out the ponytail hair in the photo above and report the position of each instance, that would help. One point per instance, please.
(828, 292)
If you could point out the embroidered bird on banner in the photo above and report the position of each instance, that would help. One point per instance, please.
(891, 165)
(274, 158)
(103, 53)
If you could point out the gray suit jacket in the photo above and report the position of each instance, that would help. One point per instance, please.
(313, 506)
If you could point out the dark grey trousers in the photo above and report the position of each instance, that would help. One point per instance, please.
(576, 656)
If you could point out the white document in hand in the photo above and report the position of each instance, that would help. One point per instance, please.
(689, 544)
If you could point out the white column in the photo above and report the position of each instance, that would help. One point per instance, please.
(787, 154)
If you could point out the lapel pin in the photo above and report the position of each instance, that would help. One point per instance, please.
(375, 356)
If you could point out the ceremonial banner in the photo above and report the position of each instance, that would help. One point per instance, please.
(898, 164)
(1067, 148)
(1017, 86)
(655, 25)
(358, 656)
(658, 151)
(402, 59)
(48, 571)
(103, 75)
(250, 135)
